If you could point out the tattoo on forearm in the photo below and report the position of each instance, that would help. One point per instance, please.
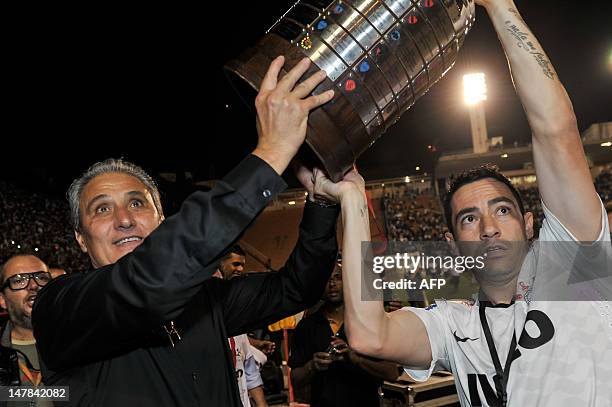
(520, 36)
(544, 64)
(517, 14)
(523, 42)
(364, 210)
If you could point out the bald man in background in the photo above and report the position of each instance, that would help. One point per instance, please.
(22, 277)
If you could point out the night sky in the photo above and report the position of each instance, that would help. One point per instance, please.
(147, 84)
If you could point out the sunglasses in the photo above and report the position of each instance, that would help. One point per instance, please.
(21, 281)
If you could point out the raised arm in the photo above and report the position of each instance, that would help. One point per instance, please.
(102, 313)
(258, 299)
(563, 174)
(399, 336)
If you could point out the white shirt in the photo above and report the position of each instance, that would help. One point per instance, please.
(565, 346)
(247, 371)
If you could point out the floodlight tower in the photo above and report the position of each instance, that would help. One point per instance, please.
(475, 92)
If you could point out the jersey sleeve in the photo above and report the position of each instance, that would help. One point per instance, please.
(435, 321)
(554, 231)
(569, 270)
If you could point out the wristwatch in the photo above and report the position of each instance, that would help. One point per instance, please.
(320, 201)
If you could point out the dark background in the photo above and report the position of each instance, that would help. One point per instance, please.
(146, 83)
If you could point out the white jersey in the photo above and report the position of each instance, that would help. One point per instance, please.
(242, 354)
(564, 352)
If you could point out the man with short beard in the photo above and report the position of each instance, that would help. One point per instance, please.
(22, 277)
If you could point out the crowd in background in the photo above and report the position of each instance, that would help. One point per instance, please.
(34, 222)
(603, 185)
(531, 202)
(38, 224)
(416, 214)
(412, 215)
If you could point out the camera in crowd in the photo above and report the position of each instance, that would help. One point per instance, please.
(9, 367)
(335, 350)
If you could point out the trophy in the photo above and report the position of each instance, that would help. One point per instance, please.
(380, 57)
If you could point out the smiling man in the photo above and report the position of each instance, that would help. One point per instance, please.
(22, 277)
(232, 264)
(248, 376)
(108, 188)
(149, 326)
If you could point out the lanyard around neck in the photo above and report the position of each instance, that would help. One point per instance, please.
(501, 376)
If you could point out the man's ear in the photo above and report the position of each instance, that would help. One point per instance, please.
(3, 301)
(449, 237)
(528, 217)
(81, 241)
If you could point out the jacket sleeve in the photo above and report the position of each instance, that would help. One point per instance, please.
(258, 299)
(101, 313)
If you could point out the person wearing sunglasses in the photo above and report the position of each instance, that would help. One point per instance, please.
(22, 277)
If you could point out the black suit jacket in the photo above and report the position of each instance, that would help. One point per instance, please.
(100, 332)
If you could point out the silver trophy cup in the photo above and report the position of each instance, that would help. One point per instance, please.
(380, 57)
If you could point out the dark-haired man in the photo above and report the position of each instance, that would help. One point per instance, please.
(232, 264)
(250, 384)
(514, 345)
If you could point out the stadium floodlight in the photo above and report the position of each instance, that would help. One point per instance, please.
(474, 88)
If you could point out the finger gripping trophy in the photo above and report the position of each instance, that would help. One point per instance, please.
(380, 57)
